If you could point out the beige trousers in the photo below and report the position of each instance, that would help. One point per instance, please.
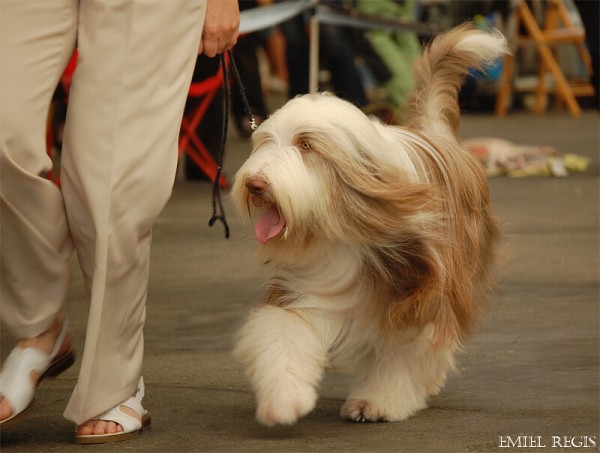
(136, 59)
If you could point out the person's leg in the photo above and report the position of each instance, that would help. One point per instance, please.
(338, 54)
(297, 55)
(398, 57)
(37, 39)
(126, 103)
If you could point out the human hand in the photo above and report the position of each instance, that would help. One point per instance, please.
(221, 27)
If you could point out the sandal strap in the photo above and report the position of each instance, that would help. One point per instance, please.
(15, 385)
(128, 422)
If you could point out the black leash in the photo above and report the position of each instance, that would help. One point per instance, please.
(217, 202)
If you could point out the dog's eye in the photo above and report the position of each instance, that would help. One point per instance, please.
(305, 146)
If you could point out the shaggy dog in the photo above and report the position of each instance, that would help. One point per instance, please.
(380, 239)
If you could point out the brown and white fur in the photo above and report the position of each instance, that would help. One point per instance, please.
(380, 239)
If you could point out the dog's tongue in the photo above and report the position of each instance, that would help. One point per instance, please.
(269, 225)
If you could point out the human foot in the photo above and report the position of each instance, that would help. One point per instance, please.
(48, 354)
(122, 422)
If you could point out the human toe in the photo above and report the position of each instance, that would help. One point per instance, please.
(5, 409)
(98, 427)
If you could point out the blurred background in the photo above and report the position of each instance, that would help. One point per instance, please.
(362, 50)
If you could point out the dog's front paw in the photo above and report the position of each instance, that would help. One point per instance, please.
(286, 406)
(363, 410)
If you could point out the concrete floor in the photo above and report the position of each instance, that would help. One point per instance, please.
(530, 370)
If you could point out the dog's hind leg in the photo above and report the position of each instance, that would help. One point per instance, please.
(285, 359)
(395, 380)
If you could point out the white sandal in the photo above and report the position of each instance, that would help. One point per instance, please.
(16, 386)
(131, 425)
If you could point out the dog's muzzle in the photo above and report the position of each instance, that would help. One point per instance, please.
(256, 185)
(271, 222)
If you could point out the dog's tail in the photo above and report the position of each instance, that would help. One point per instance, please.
(439, 72)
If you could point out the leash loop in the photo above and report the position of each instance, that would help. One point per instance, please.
(218, 213)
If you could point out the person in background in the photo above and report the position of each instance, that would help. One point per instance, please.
(398, 50)
(135, 63)
(337, 54)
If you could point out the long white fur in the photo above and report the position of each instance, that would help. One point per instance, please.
(321, 309)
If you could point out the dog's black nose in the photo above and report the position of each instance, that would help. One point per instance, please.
(256, 185)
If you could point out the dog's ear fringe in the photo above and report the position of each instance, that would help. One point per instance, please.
(453, 282)
(433, 263)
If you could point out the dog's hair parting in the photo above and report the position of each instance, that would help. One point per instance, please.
(381, 241)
